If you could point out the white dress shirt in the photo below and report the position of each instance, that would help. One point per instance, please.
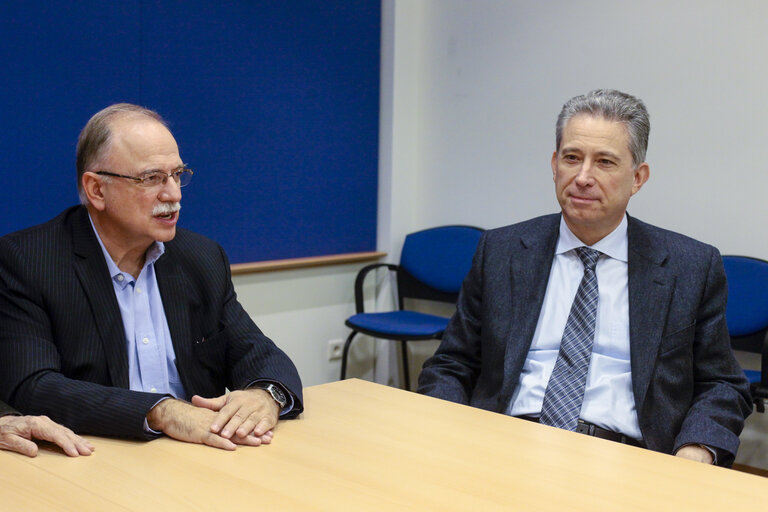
(608, 399)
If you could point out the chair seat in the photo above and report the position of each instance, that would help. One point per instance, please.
(399, 324)
(753, 376)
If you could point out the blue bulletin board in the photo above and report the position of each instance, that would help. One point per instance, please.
(274, 104)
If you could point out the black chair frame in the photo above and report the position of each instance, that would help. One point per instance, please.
(408, 287)
(757, 343)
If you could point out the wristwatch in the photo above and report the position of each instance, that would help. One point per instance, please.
(277, 393)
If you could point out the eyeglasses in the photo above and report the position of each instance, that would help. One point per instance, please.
(182, 176)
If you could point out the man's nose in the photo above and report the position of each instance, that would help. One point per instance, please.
(170, 191)
(586, 173)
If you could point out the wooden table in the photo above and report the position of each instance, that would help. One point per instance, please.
(366, 447)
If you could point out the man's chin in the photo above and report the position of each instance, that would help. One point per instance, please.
(165, 235)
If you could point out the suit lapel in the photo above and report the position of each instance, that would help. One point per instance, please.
(174, 294)
(529, 267)
(651, 286)
(92, 271)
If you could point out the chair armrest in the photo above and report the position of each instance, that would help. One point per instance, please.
(359, 280)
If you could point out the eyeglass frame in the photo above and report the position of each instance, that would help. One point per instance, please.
(179, 171)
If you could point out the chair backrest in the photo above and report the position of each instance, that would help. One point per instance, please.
(747, 311)
(435, 261)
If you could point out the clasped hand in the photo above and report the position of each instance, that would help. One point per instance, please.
(244, 417)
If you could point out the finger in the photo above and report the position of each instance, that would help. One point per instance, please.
(213, 404)
(237, 419)
(267, 438)
(67, 445)
(224, 415)
(18, 444)
(217, 441)
(78, 445)
(265, 424)
(249, 440)
(72, 444)
(235, 413)
(247, 426)
(83, 446)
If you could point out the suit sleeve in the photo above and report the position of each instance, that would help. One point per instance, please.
(251, 355)
(32, 378)
(451, 374)
(721, 398)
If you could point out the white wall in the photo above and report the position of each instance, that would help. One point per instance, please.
(477, 85)
(301, 310)
(492, 75)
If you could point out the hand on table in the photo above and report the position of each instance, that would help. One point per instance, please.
(17, 433)
(242, 413)
(188, 422)
(695, 452)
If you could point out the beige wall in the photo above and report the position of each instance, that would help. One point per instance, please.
(301, 310)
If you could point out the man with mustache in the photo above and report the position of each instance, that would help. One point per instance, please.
(114, 322)
(591, 320)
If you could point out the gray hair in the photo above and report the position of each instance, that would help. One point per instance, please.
(611, 105)
(96, 136)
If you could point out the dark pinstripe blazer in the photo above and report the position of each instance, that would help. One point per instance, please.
(62, 343)
(687, 386)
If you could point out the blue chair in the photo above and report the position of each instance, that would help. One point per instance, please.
(432, 266)
(747, 316)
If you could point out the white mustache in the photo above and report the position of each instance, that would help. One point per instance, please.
(166, 208)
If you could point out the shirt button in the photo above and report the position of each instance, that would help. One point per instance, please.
(138, 290)
(153, 390)
(120, 277)
(145, 340)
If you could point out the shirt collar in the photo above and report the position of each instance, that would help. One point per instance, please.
(613, 245)
(118, 276)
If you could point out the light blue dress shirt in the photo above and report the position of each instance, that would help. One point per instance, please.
(151, 358)
(608, 399)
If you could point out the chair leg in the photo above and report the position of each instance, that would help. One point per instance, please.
(406, 372)
(345, 354)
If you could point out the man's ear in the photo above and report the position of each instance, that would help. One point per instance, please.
(93, 189)
(642, 173)
(554, 166)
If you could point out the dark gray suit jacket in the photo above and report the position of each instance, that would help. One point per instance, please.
(687, 385)
(62, 341)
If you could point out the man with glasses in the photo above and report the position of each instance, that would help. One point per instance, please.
(114, 322)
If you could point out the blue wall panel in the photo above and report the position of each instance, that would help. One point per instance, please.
(273, 104)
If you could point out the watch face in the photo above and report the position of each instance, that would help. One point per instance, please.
(277, 394)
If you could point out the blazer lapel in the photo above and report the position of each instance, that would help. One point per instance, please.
(651, 286)
(174, 293)
(92, 271)
(529, 266)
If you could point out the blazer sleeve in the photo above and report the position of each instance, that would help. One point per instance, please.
(451, 374)
(721, 398)
(251, 355)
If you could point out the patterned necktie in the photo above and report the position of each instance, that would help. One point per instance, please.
(565, 390)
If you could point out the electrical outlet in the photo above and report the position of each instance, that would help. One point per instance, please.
(335, 349)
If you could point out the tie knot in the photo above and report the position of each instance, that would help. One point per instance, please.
(588, 257)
